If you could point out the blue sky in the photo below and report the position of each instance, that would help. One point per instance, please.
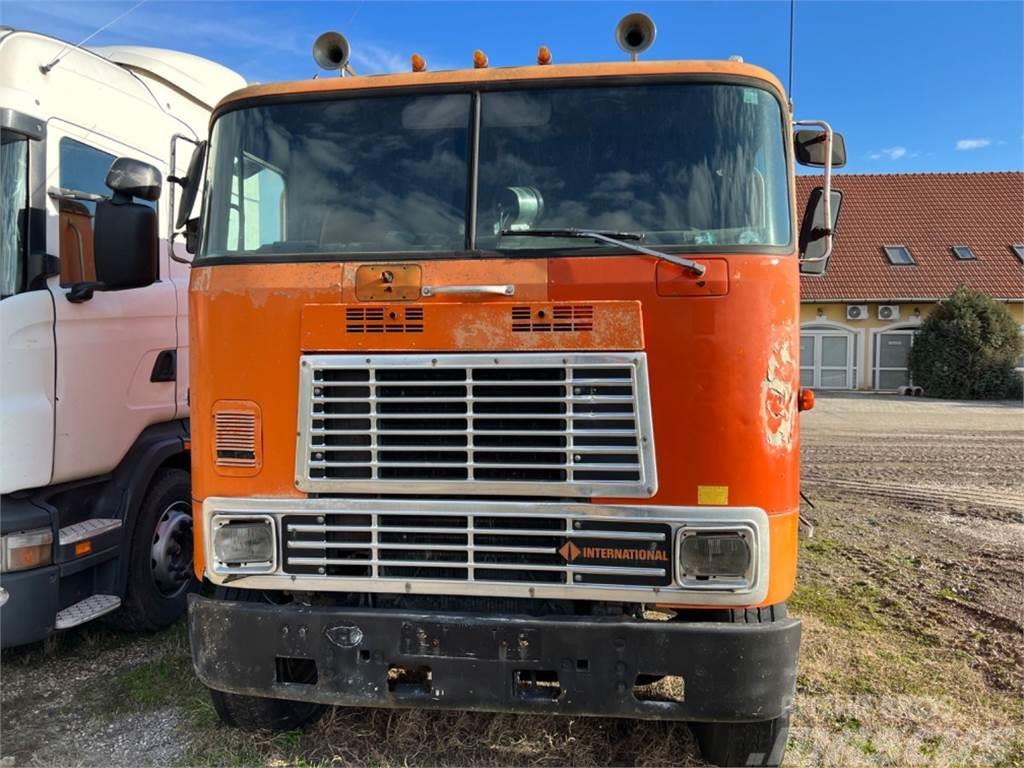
(915, 86)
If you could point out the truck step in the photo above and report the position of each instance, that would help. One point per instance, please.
(88, 529)
(87, 610)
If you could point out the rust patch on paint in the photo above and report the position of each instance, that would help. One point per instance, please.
(472, 326)
(778, 395)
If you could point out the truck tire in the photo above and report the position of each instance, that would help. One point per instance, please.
(256, 713)
(160, 575)
(743, 744)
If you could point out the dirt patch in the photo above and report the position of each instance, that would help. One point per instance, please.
(909, 591)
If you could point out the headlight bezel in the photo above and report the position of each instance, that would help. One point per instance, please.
(242, 567)
(39, 539)
(742, 530)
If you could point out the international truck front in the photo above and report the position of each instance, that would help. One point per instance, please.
(496, 395)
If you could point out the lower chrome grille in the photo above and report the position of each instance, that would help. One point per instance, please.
(543, 549)
(497, 549)
(533, 424)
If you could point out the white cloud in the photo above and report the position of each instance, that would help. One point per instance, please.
(876, 156)
(894, 153)
(973, 143)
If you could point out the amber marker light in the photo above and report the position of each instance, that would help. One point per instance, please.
(83, 548)
(544, 55)
(479, 59)
(805, 400)
(419, 64)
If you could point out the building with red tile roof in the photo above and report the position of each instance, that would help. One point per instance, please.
(905, 242)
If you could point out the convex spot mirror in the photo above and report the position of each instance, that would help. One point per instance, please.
(813, 240)
(810, 148)
(125, 231)
(134, 178)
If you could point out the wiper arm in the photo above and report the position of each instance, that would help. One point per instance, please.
(585, 234)
(612, 238)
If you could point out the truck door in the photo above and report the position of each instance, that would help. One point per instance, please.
(26, 329)
(107, 348)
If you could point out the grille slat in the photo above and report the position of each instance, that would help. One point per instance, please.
(536, 424)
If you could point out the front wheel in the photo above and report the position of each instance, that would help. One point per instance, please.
(160, 573)
(256, 713)
(741, 744)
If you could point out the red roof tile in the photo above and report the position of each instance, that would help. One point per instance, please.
(929, 213)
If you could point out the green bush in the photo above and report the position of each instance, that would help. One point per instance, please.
(967, 349)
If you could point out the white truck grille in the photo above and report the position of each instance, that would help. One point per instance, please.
(526, 424)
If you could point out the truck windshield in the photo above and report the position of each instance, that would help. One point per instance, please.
(689, 165)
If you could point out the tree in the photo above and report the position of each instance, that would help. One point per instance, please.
(967, 349)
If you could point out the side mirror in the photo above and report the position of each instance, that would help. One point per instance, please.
(125, 232)
(190, 185)
(815, 245)
(810, 148)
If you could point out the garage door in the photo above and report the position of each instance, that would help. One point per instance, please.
(827, 360)
(892, 353)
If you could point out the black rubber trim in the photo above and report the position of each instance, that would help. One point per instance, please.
(732, 672)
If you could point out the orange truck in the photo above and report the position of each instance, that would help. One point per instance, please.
(495, 394)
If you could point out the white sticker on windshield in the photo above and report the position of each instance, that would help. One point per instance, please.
(749, 96)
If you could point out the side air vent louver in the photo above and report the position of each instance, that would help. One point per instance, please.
(566, 318)
(384, 320)
(237, 437)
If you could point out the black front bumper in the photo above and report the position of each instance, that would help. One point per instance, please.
(31, 608)
(563, 665)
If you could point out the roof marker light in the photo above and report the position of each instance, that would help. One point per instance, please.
(544, 55)
(419, 64)
(479, 59)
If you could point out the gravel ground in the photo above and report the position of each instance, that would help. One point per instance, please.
(909, 590)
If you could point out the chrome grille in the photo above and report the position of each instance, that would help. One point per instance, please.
(527, 548)
(492, 548)
(532, 424)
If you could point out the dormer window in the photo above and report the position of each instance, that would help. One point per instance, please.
(1018, 250)
(898, 255)
(964, 253)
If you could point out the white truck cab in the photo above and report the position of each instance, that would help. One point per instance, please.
(95, 508)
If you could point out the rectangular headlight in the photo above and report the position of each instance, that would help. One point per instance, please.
(715, 558)
(244, 545)
(26, 549)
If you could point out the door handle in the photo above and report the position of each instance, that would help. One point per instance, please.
(494, 290)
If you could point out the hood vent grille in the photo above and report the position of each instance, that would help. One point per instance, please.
(557, 318)
(384, 319)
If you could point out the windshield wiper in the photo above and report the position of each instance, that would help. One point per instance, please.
(612, 238)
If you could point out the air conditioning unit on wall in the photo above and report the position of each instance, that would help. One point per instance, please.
(856, 311)
(888, 311)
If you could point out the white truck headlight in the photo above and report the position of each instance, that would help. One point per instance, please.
(244, 545)
(26, 549)
(718, 558)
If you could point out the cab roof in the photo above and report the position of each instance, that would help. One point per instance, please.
(637, 69)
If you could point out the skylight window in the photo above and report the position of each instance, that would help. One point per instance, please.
(898, 254)
(1019, 251)
(964, 253)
